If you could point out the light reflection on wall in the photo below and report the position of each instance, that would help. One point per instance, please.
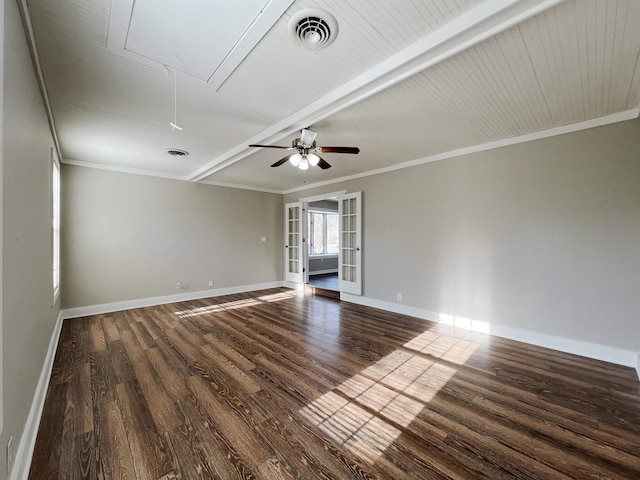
(464, 322)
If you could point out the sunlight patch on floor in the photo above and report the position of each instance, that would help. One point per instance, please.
(192, 312)
(247, 302)
(452, 349)
(277, 297)
(366, 412)
(351, 425)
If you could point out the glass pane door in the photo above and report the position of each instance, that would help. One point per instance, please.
(293, 239)
(350, 254)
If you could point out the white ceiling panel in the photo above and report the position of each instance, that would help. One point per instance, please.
(585, 55)
(369, 32)
(204, 39)
(407, 82)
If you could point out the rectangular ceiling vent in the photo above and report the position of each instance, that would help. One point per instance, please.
(204, 39)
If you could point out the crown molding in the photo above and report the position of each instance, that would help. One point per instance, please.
(35, 59)
(119, 169)
(551, 132)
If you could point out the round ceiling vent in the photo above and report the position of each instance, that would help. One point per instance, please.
(313, 28)
(176, 152)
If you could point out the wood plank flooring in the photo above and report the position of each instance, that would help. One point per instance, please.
(272, 385)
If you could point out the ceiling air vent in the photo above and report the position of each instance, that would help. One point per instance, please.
(176, 152)
(313, 28)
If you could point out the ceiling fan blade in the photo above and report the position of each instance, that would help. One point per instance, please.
(273, 146)
(323, 164)
(281, 161)
(339, 149)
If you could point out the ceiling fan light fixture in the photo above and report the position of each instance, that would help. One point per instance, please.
(307, 137)
(313, 28)
(306, 147)
(295, 159)
(313, 159)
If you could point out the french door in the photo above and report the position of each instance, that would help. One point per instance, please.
(294, 259)
(350, 251)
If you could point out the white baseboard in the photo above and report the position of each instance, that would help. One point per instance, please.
(151, 301)
(591, 350)
(293, 285)
(390, 306)
(618, 356)
(576, 347)
(24, 453)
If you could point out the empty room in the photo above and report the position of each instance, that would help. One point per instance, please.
(284, 239)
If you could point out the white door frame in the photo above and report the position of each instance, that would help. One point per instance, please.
(305, 243)
(346, 286)
(293, 243)
(350, 249)
(305, 201)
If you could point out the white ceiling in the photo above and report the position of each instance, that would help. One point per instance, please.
(406, 81)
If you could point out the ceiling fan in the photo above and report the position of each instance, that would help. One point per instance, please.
(307, 151)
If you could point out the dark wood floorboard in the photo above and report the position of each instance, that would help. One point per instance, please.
(279, 385)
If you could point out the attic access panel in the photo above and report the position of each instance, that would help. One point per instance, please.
(203, 38)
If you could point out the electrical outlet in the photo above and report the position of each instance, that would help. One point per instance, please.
(399, 297)
(179, 285)
(211, 283)
(9, 454)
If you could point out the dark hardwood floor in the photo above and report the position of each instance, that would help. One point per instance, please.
(325, 280)
(272, 385)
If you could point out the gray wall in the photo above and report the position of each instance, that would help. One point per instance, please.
(542, 236)
(128, 237)
(28, 316)
(1, 207)
(321, 264)
(324, 205)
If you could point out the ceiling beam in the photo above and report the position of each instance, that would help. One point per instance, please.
(471, 28)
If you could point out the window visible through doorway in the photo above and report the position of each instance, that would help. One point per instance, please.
(323, 233)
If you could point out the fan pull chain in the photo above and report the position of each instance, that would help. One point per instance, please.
(174, 124)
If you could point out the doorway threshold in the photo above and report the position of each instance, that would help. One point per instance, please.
(323, 292)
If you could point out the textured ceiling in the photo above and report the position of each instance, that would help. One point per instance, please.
(407, 82)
